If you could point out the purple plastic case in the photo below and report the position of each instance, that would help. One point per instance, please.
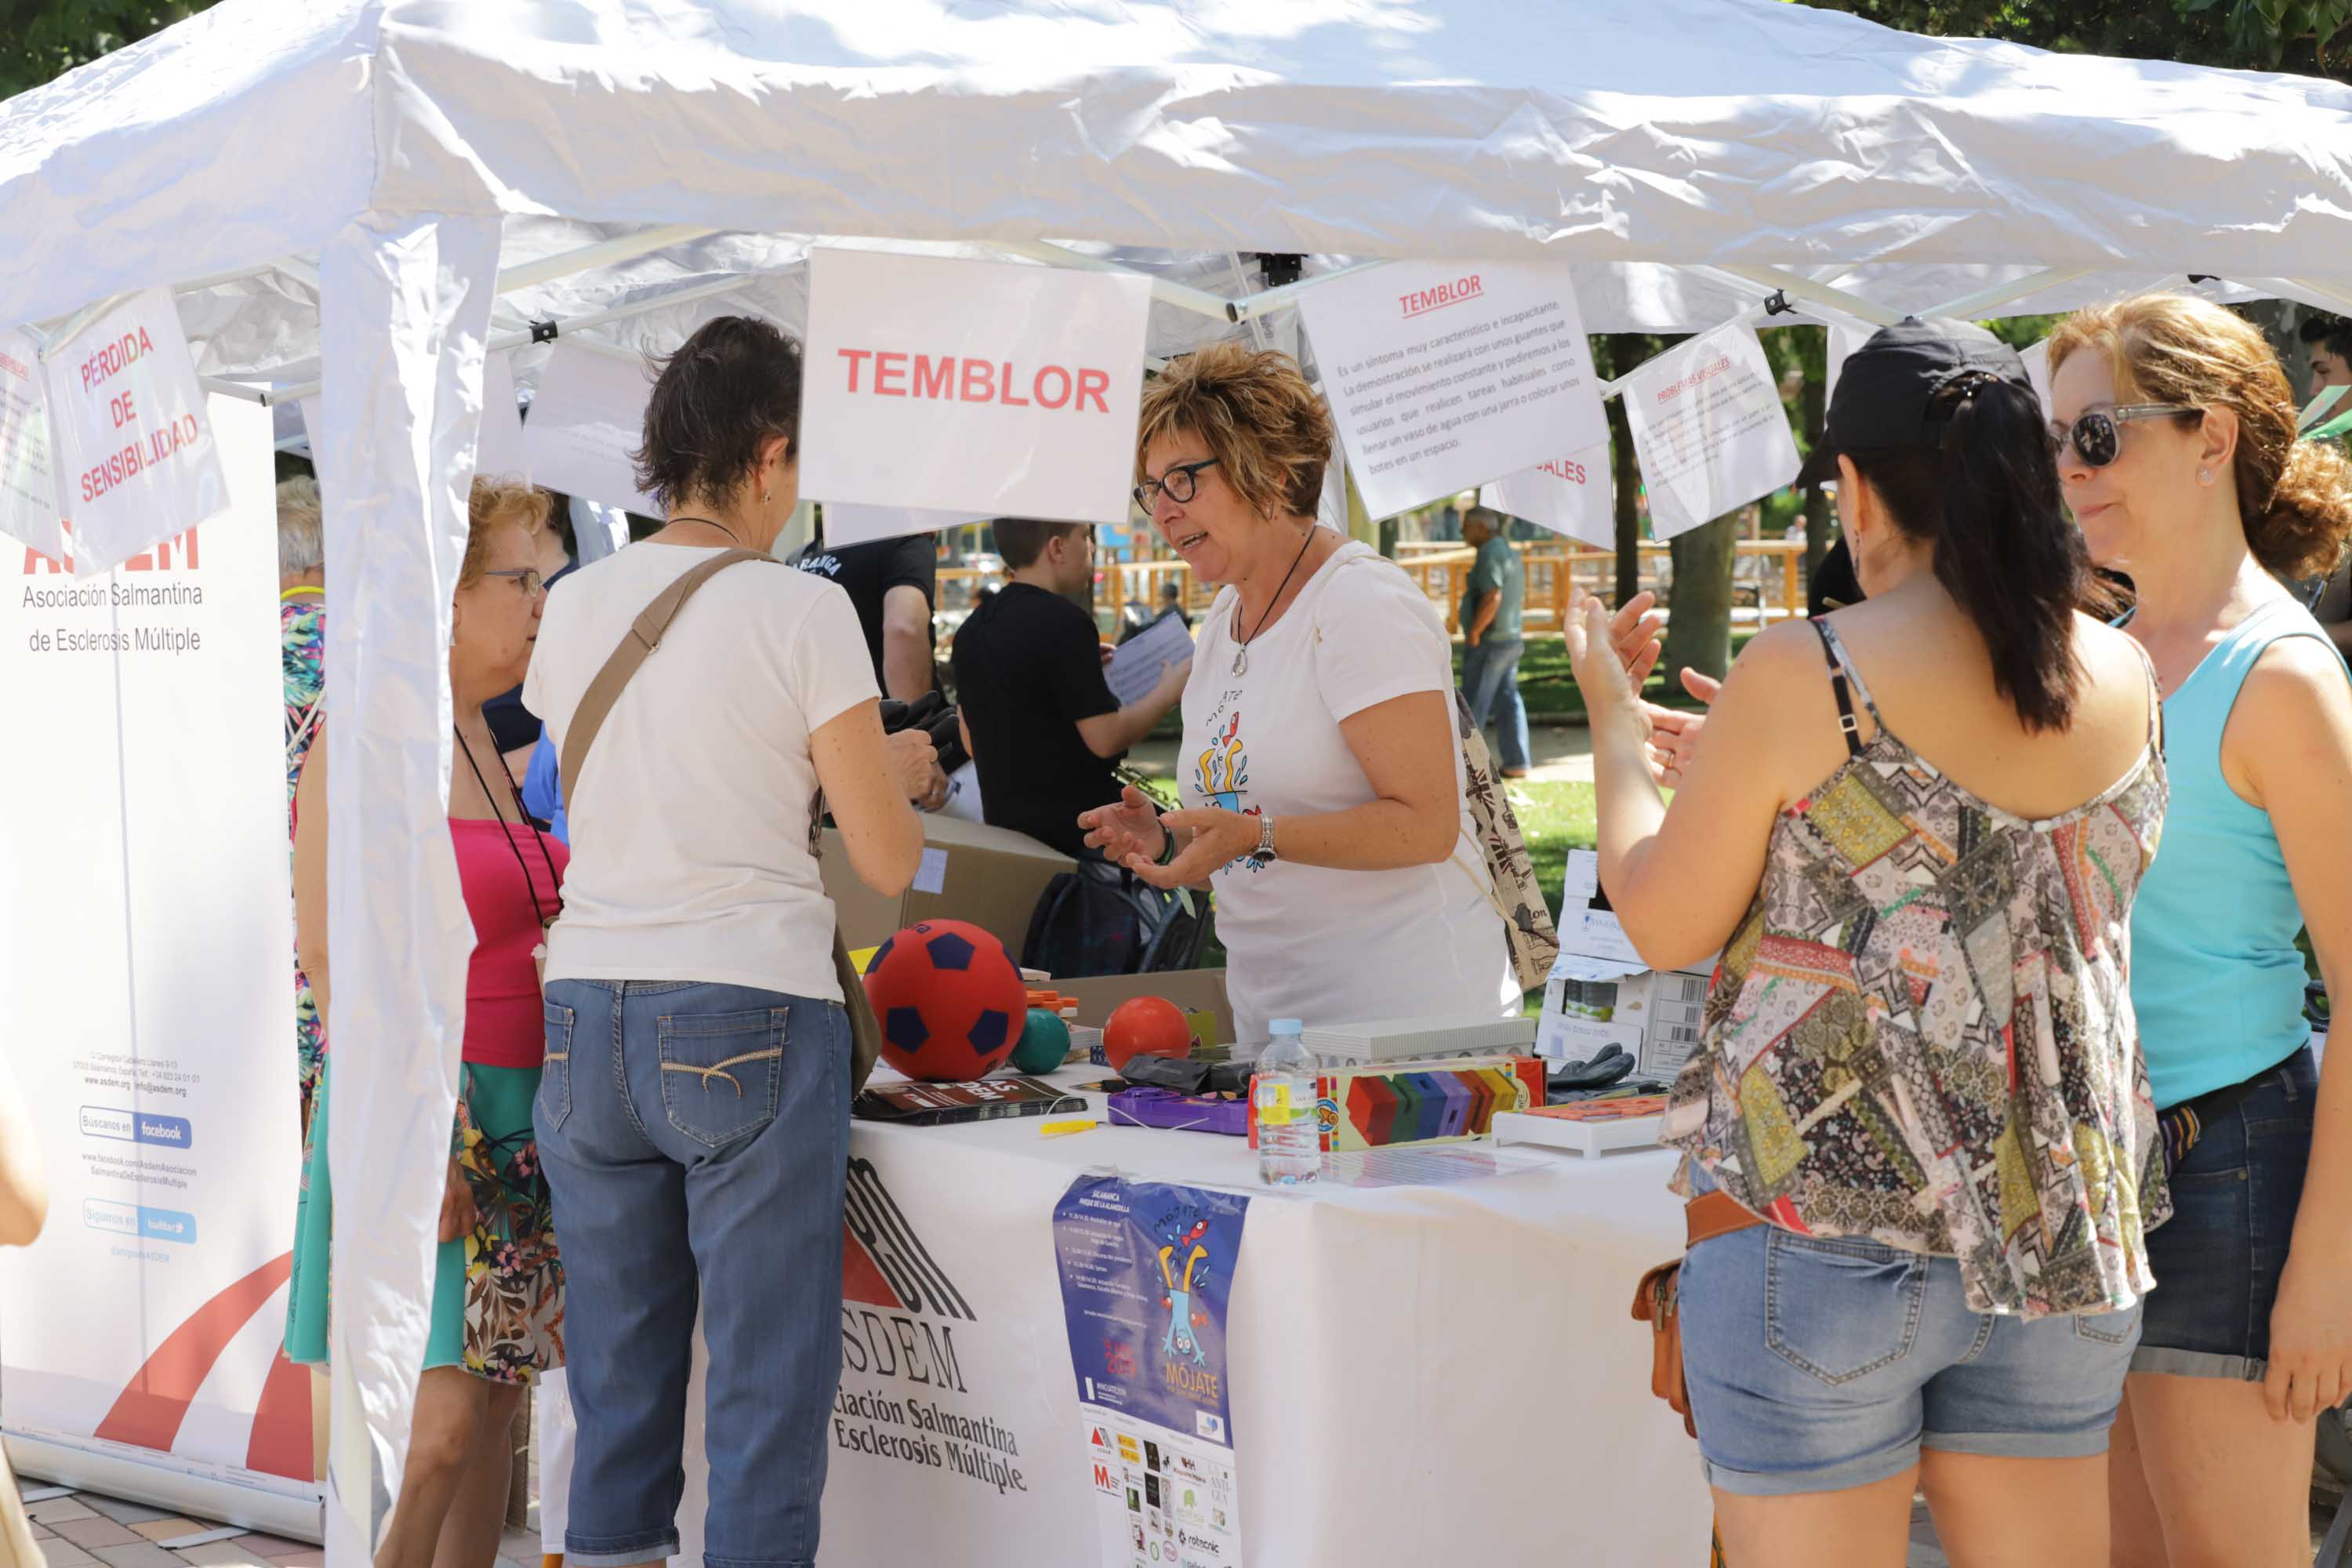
(1144, 1106)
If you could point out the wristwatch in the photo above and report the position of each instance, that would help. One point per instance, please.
(1263, 854)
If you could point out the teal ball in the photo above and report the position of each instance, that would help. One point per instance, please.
(1043, 1043)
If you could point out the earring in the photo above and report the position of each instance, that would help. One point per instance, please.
(766, 495)
(2204, 476)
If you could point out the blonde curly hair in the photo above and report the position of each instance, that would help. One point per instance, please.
(495, 504)
(1267, 428)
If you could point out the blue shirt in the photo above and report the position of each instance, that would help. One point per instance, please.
(542, 790)
(2216, 979)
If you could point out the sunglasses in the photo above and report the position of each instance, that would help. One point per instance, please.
(2097, 438)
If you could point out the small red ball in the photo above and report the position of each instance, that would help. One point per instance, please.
(1146, 1026)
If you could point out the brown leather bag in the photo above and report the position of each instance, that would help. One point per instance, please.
(1656, 1300)
(644, 635)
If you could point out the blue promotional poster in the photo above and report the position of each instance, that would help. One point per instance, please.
(1147, 1279)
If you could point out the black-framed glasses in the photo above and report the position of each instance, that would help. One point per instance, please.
(2097, 436)
(528, 577)
(1178, 484)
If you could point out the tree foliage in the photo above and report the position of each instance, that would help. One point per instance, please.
(2307, 37)
(43, 39)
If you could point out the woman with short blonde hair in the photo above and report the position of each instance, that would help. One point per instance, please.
(1322, 777)
(497, 1316)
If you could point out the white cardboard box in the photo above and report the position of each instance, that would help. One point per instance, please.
(1600, 993)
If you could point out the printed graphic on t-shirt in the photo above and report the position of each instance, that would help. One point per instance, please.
(1221, 772)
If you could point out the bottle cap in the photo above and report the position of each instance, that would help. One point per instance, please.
(1287, 1026)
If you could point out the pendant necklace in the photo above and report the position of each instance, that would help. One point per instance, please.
(1241, 650)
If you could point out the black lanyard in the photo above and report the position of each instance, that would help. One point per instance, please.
(530, 887)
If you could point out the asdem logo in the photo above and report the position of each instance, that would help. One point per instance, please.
(885, 1266)
(155, 558)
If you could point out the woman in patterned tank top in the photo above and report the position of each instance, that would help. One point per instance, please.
(1913, 834)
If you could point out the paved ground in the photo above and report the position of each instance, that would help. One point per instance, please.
(83, 1530)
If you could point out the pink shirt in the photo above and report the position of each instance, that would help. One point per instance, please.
(504, 1024)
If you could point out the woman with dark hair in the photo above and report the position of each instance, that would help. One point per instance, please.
(695, 1114)
(1917, 1130)
(2176, 437)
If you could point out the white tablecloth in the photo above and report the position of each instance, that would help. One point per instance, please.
(1466, 1386)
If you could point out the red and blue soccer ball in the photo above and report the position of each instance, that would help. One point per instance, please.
(950, 999)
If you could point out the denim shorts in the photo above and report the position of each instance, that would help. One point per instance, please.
(1817, 1365)
(2218, 1259)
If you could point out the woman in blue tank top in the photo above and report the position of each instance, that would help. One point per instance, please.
(2175, 445)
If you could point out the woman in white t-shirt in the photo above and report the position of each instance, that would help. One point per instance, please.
(694, 1112)
(1321, 775)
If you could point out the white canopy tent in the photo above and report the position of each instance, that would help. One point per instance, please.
(369, 194)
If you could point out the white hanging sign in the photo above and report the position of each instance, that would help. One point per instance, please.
(2037, 370)
(1570, 496)
(499, 449)
(956, 387)
(1710, 428)
(845, 523)
(589, 415)
(28, 496)
(135, 460)
(1441, 378)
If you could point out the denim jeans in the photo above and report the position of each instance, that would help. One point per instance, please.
(2219, 1258)
(697, 1138)
(1490, 684)
(1816, 1365)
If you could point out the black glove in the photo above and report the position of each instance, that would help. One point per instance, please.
(1598, 1073)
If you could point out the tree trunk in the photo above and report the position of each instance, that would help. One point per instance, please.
(1821, 518)
(1626, 350)
(1698, 628)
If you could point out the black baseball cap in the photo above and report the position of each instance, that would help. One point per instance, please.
(1883, 392)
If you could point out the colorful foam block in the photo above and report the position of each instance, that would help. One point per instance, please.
(1422, 1102)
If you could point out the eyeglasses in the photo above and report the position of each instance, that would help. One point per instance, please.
(528, 577)
(2095, 437)
(1178, 484)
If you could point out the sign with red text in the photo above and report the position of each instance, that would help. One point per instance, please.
(134, 459)
(28, 496)
(143, 967)
(1443, 377)
(1710, 428)
(971, 387)
(1570, 496)
(589, 415)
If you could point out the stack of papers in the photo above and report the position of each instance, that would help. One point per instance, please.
(1420, 1039)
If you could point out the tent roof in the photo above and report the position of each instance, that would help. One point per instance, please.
(1613, 138)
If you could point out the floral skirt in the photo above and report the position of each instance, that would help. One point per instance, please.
(497, 1291)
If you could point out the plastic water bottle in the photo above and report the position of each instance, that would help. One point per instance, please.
(1289, 1133)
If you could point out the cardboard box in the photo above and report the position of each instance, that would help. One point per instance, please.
(989, 877)
(1600, 993)
(1449, 1101)
(1193, 990)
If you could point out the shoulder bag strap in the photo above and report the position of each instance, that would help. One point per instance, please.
(644, 635)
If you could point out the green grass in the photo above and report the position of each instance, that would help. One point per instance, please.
(1546, 687)
(1554, 818)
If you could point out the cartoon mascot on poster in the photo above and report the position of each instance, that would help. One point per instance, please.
(1181, 1340)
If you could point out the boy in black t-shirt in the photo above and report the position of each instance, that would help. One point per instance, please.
(1039, 719)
